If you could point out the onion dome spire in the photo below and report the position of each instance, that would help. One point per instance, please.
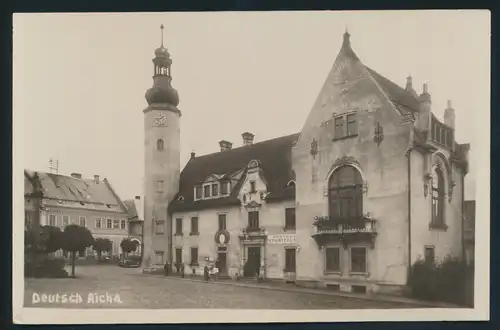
(162, 91)
(346, 46)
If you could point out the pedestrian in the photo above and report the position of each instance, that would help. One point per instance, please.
(165, 269)
(257, 273)
(205, 273)
(182, 270)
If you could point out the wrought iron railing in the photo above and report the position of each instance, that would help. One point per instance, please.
(340, 225)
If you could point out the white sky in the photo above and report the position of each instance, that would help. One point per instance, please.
(80, 79)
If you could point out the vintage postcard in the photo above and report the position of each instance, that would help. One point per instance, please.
(237, 166)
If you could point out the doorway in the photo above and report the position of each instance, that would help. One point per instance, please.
(222, 263)
(252, 266)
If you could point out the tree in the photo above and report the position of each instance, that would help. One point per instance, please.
(128, 245)
(51, 239)
(75, 239)
(101, 245)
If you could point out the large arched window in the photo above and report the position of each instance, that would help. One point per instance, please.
(345, 193)
(438, 197)
(159, 144)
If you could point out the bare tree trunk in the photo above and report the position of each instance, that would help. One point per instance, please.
(73, 259)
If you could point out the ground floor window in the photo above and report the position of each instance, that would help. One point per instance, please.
(194, 256)
(429, 254)
(358, 260)
(290, 260)
(178, 255)
(159, 257)
(332, 256)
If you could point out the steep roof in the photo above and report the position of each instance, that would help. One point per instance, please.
(61, 190)
(404, 100)
(131, 210)
(275, 161)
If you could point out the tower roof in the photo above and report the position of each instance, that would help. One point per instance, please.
(162, 91)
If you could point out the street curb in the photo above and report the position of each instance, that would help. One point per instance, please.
(423, 304)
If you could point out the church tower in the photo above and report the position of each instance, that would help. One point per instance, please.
(162, 159)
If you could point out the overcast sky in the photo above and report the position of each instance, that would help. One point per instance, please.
(80, 79)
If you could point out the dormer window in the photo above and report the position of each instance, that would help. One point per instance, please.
(198, 193)
(252, 187)
(224, 188)
(212, 188)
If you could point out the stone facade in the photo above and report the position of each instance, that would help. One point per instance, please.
(374, 179)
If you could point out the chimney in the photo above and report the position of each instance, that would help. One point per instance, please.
(425, 110)
(225, 145)
(137, 197)
(247, 138)
(193, 155)
(96, 179)
(449, 115)
(76, 175)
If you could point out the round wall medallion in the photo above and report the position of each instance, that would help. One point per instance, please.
(222, 237)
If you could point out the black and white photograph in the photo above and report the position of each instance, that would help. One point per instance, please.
(221, 167)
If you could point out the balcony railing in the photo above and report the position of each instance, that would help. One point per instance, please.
(344, 229)
(344, 225)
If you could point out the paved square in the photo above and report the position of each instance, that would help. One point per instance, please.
(128, 288)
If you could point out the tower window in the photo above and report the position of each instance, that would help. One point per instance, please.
(159, 186)
(159, 145)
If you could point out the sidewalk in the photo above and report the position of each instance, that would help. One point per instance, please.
(281, 286)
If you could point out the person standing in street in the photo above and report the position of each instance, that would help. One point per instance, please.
(165, 269)
(205, 273)
(182, 270)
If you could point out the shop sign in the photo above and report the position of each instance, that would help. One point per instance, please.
(281, 239)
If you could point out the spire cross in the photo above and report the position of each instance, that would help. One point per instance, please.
(161, 27)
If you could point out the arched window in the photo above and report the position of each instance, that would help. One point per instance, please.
(159, 144)
(345, 193)
(438, 197)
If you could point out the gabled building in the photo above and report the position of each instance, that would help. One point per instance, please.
(373, 182)
(59, 200)
(135, 209)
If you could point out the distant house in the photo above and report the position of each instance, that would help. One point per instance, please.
(59, 200)
(135, 221)
(469, 230)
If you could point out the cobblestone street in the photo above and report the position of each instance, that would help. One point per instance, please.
(128, 288)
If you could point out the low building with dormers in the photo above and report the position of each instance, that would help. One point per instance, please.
(59, 200)
(372, 183)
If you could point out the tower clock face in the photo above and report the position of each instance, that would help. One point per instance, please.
(160, 119)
